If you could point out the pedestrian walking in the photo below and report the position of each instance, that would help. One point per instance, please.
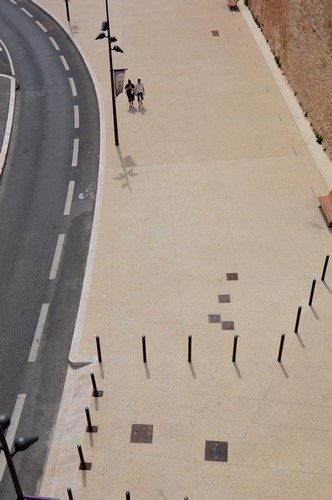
(140, 92)
(130, 91)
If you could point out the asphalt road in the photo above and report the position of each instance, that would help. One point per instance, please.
(47, 198)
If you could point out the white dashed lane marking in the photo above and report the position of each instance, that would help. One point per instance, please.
(57, 257)
(69, 198)
(41, 26)
(64, 62)
(26, 12)
(75, 152)
(73, 87)
(38, 333)
(55, 45)
(76, 116)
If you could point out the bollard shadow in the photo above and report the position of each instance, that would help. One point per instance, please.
(147, 371)
(314, 312)
(96, 401)
(237, 369)
(327, 287)
(84, 477)
(192, 369)
(101, 370)
(91, 439)
(300, 340)
(127, 164)
(283, 369)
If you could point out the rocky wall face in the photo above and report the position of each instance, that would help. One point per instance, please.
(300, 34)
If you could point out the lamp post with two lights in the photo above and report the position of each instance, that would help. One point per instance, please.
(20, 444)
(105, 33)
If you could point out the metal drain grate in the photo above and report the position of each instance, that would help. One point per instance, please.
(216, 451)
(141, 433)
(224, 299)
(214, 318)
(215, 33)
(227, 325)
(232, 276)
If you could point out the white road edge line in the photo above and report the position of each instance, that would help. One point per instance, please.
(38, 333)
(55, 45)
(10, 436)
(76, 117)
(41, 26)
(69, 198)
(73, 87)
(26, 12)
(9, 58)
(57, 256)
(64, 62)
(75, 152)
(13, 1)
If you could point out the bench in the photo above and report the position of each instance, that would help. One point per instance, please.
(232, 4)
(326, 206)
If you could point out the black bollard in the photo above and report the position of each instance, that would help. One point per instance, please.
(83, 464)
(298, 316)
(281, 347)
(70, 495)
(67, 11)
(312, 291)
(82, 461)
(90, 427)
(98, 349)
(189, 348)
(234, 348)
(144, 349)
(95, 392)
(325, 267)
(127, 495)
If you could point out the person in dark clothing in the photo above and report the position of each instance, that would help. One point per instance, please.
(130, 91)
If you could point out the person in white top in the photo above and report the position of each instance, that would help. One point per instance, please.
(140, 92)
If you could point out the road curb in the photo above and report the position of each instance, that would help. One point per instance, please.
(75, 361)
(9, 122)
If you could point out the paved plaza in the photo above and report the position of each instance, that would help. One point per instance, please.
(208, 227)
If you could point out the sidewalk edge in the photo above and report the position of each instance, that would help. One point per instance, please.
(9, 123)
(316, 151)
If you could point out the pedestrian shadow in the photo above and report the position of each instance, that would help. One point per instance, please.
(135, 110)
(127, 164)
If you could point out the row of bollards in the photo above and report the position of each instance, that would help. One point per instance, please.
(70, 495)
(189, 348)
(97, 393)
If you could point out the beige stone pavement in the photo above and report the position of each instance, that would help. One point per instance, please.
(218, 174)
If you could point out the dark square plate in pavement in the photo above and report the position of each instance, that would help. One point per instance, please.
(216, 451)
(141, 433)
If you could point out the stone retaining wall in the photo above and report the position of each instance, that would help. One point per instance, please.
(300, 35)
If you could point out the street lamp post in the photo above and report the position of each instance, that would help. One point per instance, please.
(111, 39)
(20, 444)
(4, 423)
